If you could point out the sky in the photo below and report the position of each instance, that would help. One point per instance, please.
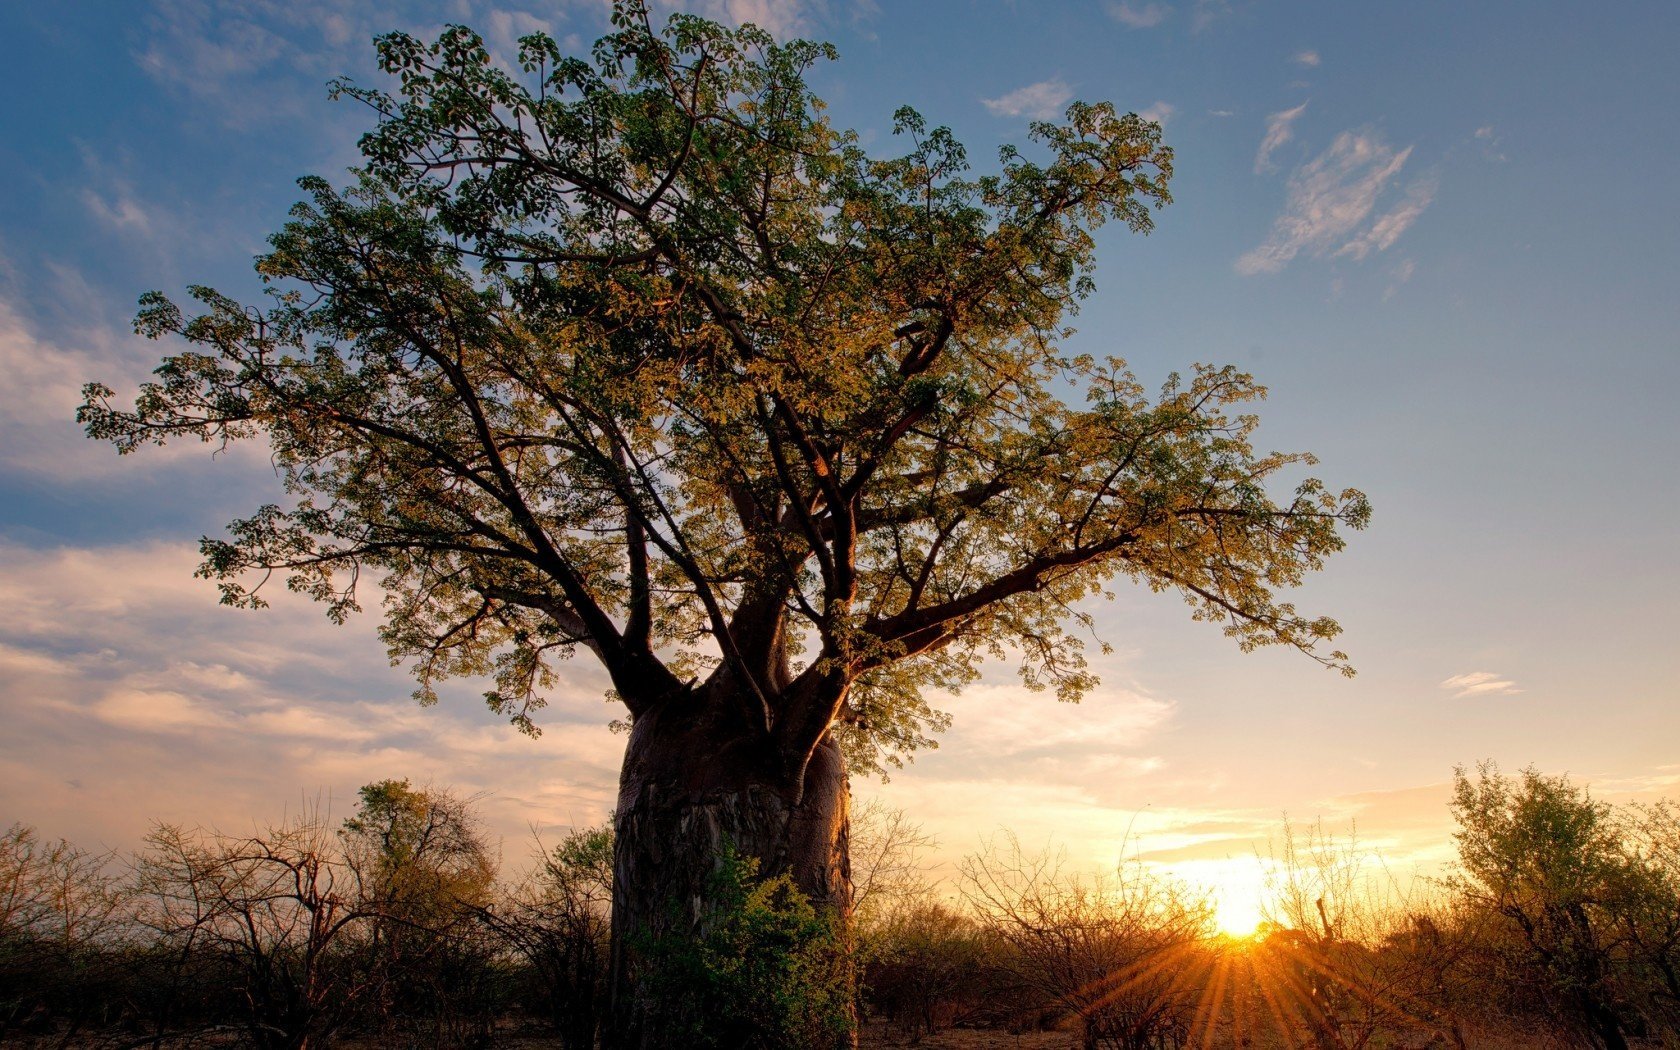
(1444, 235)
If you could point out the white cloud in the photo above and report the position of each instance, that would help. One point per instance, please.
(1044, 100)
(1280, 128)
(38, 400)
(129, 695)
(1222, 112)
(207, 48)
(156, 711)
(111, 200)
(783, 19)
(43, 387)
(1308, 58)
(1019, 759)
(502, 30)
(1159, 112)
(1388, 228)
(1138, 16)
(1007, 720)
(1479, 683)
(200, 45)
(224, 53)
(1330, 199)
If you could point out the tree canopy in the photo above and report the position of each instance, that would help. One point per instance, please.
(640, 354)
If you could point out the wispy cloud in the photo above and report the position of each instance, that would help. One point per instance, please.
(1044, 100)
(1330, 200)
(1159, 112)
(1018, 759)
(224, 53)
(120, 209)
(1222, 112)
(784, 19)
(1138, 16)
(207, 48)
(1399, 276)
(1308, 58)
(43, 384)
(1392, 223)
(1208, 12)
(503, 28)
(46, 360)
(110, 197)
(1280, 128)
(1479, 683)
(1488, 139)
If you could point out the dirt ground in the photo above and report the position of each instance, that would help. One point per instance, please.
(877, 1035)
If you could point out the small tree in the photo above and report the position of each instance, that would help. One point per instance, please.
(1347, 954)
(559, 921)
(927, 965)
(886, 855)
(424, 874)
(1550, 862)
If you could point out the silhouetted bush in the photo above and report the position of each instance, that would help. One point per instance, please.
(63, 933)
(558, 924)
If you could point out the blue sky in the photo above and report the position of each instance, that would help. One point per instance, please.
(1443, 234)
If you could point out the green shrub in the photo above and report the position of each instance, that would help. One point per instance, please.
(768, 971)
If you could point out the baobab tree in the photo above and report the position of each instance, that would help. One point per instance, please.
(639, 357)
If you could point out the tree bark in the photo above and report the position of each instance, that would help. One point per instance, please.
(695, 783)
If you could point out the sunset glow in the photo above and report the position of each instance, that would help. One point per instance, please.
(832, 487)
(1237, 914)
(1235, 887)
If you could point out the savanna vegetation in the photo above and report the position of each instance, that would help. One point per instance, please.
(1559, 926)
(638, 358)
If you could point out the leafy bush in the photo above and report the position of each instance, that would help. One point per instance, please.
(770, 972)
(926, 967)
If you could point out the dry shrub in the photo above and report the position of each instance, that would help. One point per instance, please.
(1123, 953)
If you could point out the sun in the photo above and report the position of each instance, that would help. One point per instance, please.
(1235, 888)
(1236, 914)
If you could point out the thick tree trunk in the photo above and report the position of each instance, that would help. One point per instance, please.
(693, 786)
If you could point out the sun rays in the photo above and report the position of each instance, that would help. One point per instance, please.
(1274, 987)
